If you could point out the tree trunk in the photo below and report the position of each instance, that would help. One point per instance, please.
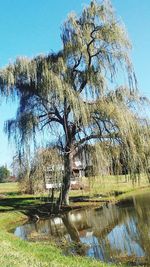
(64, 194)
(74, 234)
(30, 188)
(72, 230)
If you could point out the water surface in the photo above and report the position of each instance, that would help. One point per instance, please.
(113, 233)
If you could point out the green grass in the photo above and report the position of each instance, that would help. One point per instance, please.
(18, 253)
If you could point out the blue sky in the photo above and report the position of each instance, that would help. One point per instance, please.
(30, 27)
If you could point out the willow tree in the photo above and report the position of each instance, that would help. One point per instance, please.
(77, 93)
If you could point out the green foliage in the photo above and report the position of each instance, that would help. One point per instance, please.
(4, 174)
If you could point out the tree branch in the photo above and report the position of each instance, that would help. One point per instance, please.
(96, 136)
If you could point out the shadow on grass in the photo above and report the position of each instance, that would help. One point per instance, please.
(42, 207)
(12, 194)
(21, 204)
(96, 197)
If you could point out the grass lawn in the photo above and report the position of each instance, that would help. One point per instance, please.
(9, 188)
(18, 253)
(108, 187)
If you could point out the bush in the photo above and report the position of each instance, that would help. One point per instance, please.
(4, 174)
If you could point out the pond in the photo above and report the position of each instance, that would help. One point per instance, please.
(113, 233)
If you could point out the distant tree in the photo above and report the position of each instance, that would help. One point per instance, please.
(4, 174)
(76, 94)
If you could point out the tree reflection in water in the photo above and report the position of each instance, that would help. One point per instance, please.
(78, 247)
